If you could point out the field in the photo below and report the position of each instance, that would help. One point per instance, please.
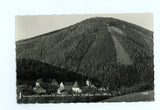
(140, 96)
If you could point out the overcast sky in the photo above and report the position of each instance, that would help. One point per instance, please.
(30, 26)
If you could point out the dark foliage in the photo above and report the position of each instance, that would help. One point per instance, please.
(28, 69)
(85, 50)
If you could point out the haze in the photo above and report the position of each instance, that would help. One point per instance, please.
(30, 26)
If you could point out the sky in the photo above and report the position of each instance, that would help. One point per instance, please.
(31, 26)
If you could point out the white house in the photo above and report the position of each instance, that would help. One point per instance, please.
(76, 88)
(60, 88)
(38, 82)
(88, 82)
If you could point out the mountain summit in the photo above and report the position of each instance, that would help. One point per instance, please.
(108, 50)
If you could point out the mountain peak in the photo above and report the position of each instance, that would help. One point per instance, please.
(96, 48)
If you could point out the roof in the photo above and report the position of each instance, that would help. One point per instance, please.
(38, 80)
(39, 90)
(76, 84)
(53, 80)
(88, 79)
(61, 84)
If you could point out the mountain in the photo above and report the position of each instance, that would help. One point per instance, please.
(110, 51)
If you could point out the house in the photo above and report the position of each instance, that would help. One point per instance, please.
(54, 82)
(76, 88)
(88, 82)
(64, 92)
(38, 89)
(103, 89)
(19, 93)
(20, 90)
(38, 82)
(61, 87)
(93, 86)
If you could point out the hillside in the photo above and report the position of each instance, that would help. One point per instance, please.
(114, 52)
(134, 97)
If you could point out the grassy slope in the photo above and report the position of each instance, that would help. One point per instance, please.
(122, 56)
(140, 96)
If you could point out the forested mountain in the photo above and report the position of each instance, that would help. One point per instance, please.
(107, 50)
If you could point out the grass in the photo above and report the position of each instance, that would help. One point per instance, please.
(134, 97)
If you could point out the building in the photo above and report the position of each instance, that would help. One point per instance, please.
(61, 87)
(76, 88)
(38, 82)
(20, 89)
(88, 82)
(104, 89)
(38, 89)
(54, 82)
(93, 86)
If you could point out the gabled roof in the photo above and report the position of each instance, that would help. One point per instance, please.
(76, 84)
(38, 80)
(61, 84)
(88, 79)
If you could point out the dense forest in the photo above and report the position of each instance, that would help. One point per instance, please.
(87, 50)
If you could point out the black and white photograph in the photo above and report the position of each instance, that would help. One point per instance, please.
(84, 58)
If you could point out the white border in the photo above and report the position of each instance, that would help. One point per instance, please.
(10, 8)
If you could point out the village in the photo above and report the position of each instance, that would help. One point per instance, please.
(43, 89)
